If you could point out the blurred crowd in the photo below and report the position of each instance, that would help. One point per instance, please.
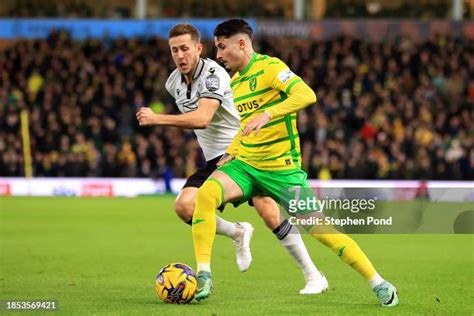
(394, 110)
(166, 8)
(45, 8)
(405, 9)
(433, 9)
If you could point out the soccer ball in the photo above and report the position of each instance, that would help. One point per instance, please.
(176, 283)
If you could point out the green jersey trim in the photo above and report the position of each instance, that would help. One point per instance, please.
(249, 65)
(278, 121)
(292, 137)
(255, 75)
(246, 96)
(266, 159)
(287, 91)
(264, 57)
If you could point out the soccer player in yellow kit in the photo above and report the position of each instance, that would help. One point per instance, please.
(208, 108)
(266, 155)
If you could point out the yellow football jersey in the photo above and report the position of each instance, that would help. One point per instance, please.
(265, 83)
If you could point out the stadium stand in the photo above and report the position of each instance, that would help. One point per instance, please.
(392, 110)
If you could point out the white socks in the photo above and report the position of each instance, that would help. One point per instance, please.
(376, 280)
(290, 239)
(224, 227)
(293, 243)
(204, 267)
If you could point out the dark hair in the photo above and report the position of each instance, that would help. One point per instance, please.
(233, 26)
(183, 29)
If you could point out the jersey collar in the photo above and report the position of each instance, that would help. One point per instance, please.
(197, 71)
(249, 65)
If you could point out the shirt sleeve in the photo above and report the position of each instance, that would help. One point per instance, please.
(299, 94)
(280, 75)
(169, 86)
(216, 81)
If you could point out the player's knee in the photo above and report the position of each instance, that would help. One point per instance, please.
(209, 194)
(184, 208)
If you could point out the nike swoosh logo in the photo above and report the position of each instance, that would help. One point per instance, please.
(197, 221)
(391, 299)
(341, 251)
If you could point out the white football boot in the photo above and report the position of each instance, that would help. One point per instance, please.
(316, 284)
(242, 239)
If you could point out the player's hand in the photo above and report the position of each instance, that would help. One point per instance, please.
(256, 124)
(146, 117)
(224, 159)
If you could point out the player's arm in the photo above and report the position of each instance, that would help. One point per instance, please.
(299, 96)
(198, 119)
(212, 95)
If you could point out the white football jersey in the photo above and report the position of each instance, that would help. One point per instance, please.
(210, 80)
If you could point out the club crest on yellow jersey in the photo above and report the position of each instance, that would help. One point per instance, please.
(253, 84)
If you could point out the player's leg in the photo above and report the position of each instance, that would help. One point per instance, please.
(184, 207)
(240, 233)
(281, 185)
(218, 189)
(290, 238)
(350, 253)
(346, 249)
(184, 204)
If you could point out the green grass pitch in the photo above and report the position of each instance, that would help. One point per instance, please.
(101, 256)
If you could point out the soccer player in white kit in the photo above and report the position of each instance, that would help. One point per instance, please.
(201, 89)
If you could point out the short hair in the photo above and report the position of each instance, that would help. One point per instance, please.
(183, 29)
(232, 27)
